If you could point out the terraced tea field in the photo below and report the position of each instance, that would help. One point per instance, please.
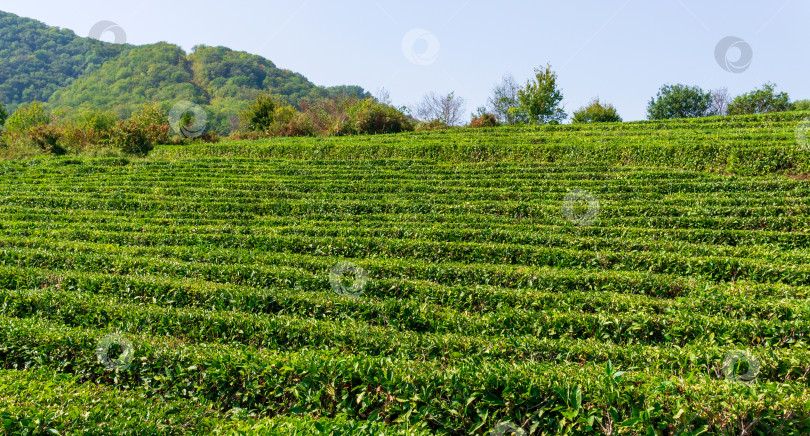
(200, 290)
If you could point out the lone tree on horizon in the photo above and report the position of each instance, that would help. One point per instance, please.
(541, 98)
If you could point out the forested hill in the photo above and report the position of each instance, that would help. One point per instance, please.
(77, 74)
(36, 60)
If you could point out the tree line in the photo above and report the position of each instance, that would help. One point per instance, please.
(539, 101)
(33, 128)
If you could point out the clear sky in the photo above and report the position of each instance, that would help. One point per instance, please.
(621, 51)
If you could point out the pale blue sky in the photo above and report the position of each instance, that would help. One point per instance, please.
(621, 51)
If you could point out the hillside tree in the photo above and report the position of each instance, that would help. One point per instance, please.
(720, 102)
(679, 101)
(760, 101)
(445, 108)
(541, 97)
(504, 102)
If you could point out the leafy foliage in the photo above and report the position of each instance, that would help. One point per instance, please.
(679, 101)
(540, 99)
(157, 72)
(338, 115)
(222, 81)
(485, 120)
(760, 101)
(261, 115)
(37, 60)
(596, 112)
(75, 75)
(367, 116)
(139, 134)
(426, 126)
(34, 125)
(26, 118)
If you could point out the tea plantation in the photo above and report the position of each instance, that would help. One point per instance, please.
(646, 278)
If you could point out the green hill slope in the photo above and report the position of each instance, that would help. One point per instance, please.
(148, 73)
(75, 74)
(36, 60)
(223, 81)
(448, 283)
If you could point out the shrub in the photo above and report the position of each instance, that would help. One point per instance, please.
(517, 115)
(298, 125)
(485, 120)
(98, 121)
(210, 137)
(329, 116)
(25, 119)
(131, 138)
(431, 125)
(282, 115)
(138, 135)
(93, 128)
(596, 112)
(47, 137)
(269, 116)
(154, 123)
(245, 135)
(370, 117)
(29, 130)
(801, 105)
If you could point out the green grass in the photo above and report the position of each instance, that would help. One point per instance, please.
(483, 304)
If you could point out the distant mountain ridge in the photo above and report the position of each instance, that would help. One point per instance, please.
(74, 74)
